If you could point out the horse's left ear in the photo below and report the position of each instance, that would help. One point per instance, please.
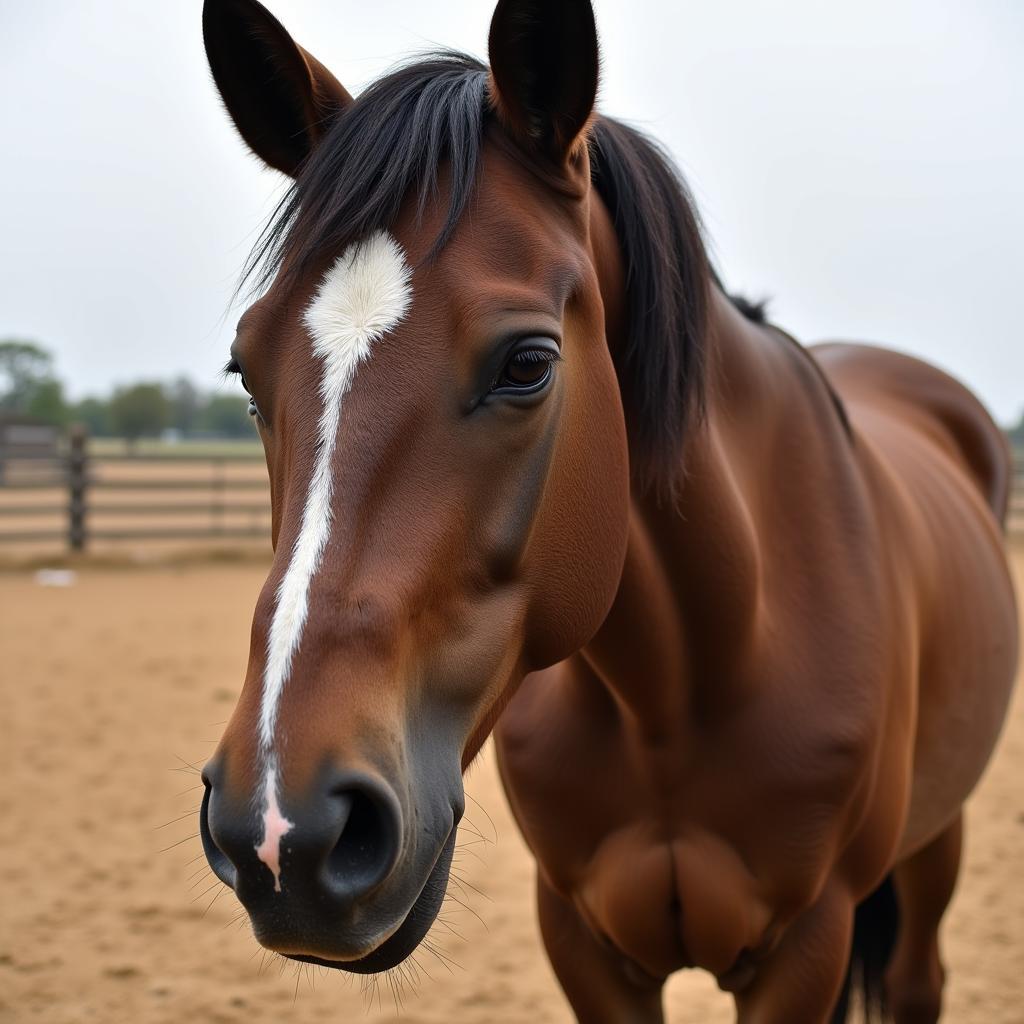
(281, 98)
(544, 71)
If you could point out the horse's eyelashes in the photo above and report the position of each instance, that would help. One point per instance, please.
(528, 368)
(534, 355)
(233, 369)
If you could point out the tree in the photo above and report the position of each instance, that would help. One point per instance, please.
(141, 410)
(94, 413)
(25, 367)
(185, 404)
(46, 402)
(226, 416)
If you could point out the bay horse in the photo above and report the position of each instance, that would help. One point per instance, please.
(738, 612)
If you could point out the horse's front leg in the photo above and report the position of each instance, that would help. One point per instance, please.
(594, 980)
(801, 979)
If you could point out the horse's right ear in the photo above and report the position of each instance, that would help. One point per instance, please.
(281, 98)
(544, 71)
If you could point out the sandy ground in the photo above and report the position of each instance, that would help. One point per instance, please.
(111, 685)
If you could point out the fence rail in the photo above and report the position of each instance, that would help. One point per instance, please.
(99, 496)
(91, 487)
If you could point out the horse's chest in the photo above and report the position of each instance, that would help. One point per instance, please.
(685, 854)
(601, 837)
(772, 781)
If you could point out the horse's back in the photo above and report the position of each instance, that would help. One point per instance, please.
(871, 378)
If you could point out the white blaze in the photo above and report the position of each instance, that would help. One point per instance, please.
(275, 827)
(362, 297)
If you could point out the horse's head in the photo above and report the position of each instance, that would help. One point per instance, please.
(446, 445)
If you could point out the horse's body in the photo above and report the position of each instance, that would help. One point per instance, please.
(740, 737)
(740, 612)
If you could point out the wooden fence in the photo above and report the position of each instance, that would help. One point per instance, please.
(79, 496)
(76, 495)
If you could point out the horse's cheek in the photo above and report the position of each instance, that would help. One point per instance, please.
(584, 524)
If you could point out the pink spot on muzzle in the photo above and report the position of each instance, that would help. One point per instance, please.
(275, 827)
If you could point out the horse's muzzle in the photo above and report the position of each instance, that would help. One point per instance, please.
(334, 878)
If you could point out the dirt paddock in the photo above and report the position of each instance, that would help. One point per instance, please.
(111, 685)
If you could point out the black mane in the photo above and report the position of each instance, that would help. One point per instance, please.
(392, 140)
(392, 143)
(661, 365)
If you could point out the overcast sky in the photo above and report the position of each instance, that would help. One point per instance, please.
(862, 164)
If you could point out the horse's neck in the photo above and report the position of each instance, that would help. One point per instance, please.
(692, 588)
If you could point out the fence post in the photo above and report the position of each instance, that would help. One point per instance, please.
(217, 497)
(78, 479)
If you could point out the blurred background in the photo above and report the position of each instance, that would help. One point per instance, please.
(860, 166)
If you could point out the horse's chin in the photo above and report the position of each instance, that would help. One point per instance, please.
(402, 943)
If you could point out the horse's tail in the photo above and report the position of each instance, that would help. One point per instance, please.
(874, 935)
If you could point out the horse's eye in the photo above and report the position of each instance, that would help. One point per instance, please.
(528, 369)
(233, 369)
(253, 411)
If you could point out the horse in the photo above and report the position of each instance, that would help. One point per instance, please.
(737, 612)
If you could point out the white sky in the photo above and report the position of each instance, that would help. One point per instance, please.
(863, 164)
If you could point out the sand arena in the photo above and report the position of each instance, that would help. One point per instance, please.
(113, 686)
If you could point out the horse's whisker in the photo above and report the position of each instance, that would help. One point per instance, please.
(494, 828)
(216, 897)
(182, 817)
(450, 896)
(210, 888)
(464, 884)
(195, 835)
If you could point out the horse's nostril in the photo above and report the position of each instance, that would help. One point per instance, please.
(218, 860)
(340, 844)
(367, 847)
